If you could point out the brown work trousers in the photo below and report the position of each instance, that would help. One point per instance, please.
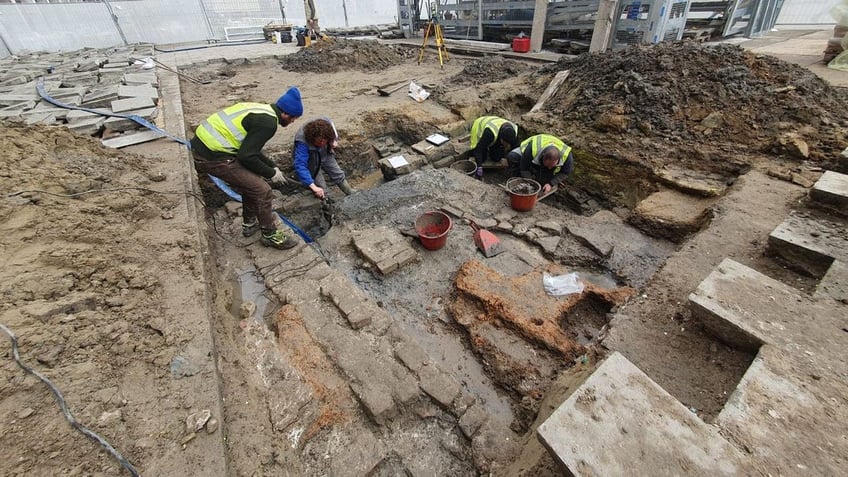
(255, 192)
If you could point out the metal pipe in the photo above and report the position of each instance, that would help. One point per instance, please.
(117, 24)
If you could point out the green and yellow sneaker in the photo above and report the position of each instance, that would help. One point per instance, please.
(277, 239)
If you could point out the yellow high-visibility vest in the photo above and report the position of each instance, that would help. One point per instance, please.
(223, 132)
(540, 142)
(492, 123)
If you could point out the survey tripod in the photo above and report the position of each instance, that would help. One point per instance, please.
(434, 28)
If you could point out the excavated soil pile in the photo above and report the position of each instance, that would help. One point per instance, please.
(489, 70)
(329, 56)
(716, 95)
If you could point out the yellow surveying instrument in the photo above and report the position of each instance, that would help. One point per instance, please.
(434, 28)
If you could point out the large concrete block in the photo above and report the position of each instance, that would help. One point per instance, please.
(620, 422)
(810, 243)
(747, 309)
(832, 190)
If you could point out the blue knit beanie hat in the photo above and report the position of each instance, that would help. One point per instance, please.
(290, 102)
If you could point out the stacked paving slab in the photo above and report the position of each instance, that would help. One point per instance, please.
(787, 415)
(109, 83)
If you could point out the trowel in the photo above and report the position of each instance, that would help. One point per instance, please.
(486, 241)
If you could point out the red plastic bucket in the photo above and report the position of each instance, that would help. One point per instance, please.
(521, 45)
(522, 193)
(432, 228)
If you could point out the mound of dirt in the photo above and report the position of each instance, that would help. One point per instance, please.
(328, 56)
(489, 70)
(717, 94)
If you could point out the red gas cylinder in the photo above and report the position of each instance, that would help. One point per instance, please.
(521, 44)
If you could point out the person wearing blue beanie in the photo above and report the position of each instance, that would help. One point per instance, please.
(228, 145)
(290, 103)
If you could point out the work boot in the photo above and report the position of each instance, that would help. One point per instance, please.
(276, 238)
(249, 228)
(346, 188)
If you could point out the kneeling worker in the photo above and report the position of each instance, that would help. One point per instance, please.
(314, 152)
(228, 145)
(543, 158)
(491, 138)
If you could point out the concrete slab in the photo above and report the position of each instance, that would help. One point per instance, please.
(131, 104)
(130, 139)
(746, 309)
(619, 422)
(834, 284)
(138, 91)
(810, 243)
(832, 190)
(788, 412)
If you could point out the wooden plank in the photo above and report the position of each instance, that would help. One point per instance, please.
(552, 88)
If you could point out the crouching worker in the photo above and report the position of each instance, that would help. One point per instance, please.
(314, 154)
(543, 158)
(491, 138)
(228, 145)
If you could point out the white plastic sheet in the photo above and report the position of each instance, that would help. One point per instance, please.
(562, 284)
(417, 93)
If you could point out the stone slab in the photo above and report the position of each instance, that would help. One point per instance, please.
(671, 214)
(392, 169)
(834, 284)
(131, 104)
(432, 152)
(809, 243)
(746, 309)
(785, 412)
(138, 91)
(620, 422)
(693, 182)
(130, 139)
(832, 190)
(87, 126)
(385, 248)
(117, 123)
(141, 79)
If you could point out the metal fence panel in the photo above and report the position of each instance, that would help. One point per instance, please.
(47, 27)
(161, 21)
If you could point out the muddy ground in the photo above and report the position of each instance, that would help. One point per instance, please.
(102, 258)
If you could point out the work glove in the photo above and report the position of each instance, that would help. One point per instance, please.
(278, 178)
(479, 172)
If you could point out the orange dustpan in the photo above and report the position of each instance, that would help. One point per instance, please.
(486, 241)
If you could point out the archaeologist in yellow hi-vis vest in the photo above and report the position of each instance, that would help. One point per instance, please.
(543, 158)
(228, 145)
(491, 138)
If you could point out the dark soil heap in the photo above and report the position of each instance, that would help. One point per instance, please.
(328, 56)
(713, 94)
(489, 70)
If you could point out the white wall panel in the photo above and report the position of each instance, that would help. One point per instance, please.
(803, 12)
(32, 27)
(71, 26)
(331, 13)
(162, 21)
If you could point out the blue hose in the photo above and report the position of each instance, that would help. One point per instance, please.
(138, 119)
